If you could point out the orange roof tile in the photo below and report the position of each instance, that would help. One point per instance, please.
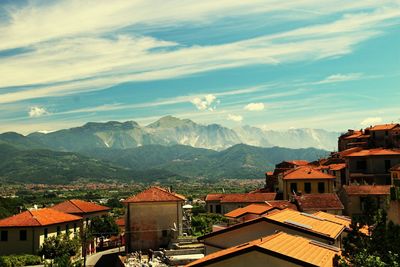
(374, 152)
(155, 194)
(40, 217)
(346, 221)
(292, 248)
(336, 166)
(306, 172)
(247, 197)
(77, 206)
(355, 134)
(311, 223)
(120, 222)
(298, 162)
(367, 189)
(383, 127)
(326, 201)
(250, 209)
(214, 197)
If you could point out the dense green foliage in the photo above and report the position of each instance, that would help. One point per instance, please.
(60, 249)
(46, 166)
(19, 260)
(103, 226)
(9, 206)
(202, 223)
(147, 163)
(380, 248)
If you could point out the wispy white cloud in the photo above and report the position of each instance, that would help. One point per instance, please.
(236, 118)
(371, 121)
(37, 111)
(101, 62)
(339, 77)
(254, 107)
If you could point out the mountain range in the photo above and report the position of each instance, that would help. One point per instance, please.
(172, 131)
(169, 148)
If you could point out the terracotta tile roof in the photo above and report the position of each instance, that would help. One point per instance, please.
(326, 201)
(310, 223)
(349, 151)
(337, 166)
(306, 172)
(257, 209)
(374, 152)
(354, 135)
(120, 222)
(299, 162)
(395, 168)
(248, 197)
(367, 189)
(253, 197)
(155, 194)
(77, 206)
(383, 127)
(40, 217)
(260, 209)
(269, 173)
(292, 248)
(282, 204)
(214, 197)
(346, 221)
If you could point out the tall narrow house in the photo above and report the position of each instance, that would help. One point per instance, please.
(152, 219)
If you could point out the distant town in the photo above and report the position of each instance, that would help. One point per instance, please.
(340, 210)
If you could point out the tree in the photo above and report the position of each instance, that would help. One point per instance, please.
(378, 248)
(103, 227)
(60, 248)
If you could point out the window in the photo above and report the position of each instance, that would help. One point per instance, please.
(46, 232)
(58, 230)
(388, 164)
(23, 235)
(386, 133)
(361, 165)
(75, 227)
(321, 187)
(307, 188)
(395, 176)
(4, 236)
(218, 208)
(164, 233)
(293, 188)
(211, 208)
(66, 228)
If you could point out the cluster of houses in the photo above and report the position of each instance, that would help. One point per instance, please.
(25, 232)
(298, 219)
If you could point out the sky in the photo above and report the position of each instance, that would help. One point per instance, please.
(273, 64)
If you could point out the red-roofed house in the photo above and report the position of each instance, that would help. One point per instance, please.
(279, 249)
(305, 180)
(153, 218)
(86, 210)
(224, 203)
(25, 232)
(82, 208)
(253, 211)
(355, 198)
(271, 178)
(311, 203)
(371, 166)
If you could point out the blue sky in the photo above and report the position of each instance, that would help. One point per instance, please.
(273, 64)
